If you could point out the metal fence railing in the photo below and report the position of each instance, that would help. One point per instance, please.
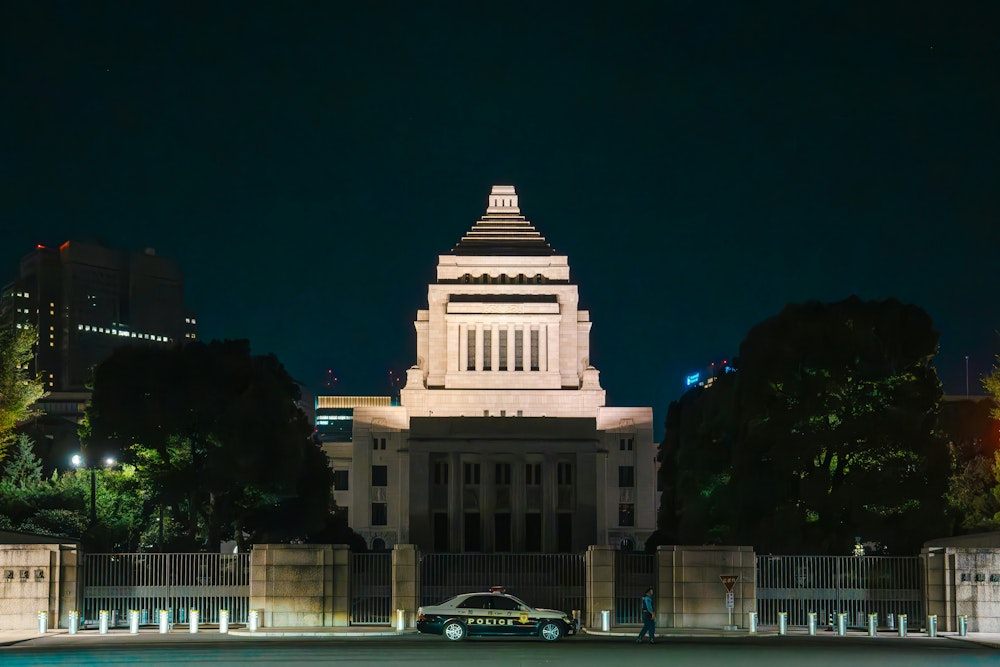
(828, 585)
(554, 581)
(149, 582)
(634, 573)
(371, 588)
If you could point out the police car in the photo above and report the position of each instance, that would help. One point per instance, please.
(493, 614)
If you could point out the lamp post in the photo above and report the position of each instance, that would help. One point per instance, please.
(78, 462)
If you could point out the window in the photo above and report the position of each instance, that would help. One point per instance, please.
(441, 532)
(518, 350)
(626, 514)
(626, 476)
(502, 532)
(470, 364)
(564, 473)
(625, 444)
(378, 443)
(502, 365)
(472, 473)
(505, 603)
(440, 473)
(473, 534)
(533, 532)
(380, 476)
(533, 474)
(475, 602)
(487, 349)
(503, 473)
(534, 349)
(380, 515)
(340, 480)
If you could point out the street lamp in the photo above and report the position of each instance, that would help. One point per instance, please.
(78, 462)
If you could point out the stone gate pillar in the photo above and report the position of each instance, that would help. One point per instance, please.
(690, 593)
(405, 583)
(599, 562)
(300, 585)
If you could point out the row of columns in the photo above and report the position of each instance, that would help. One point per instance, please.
(478, 356)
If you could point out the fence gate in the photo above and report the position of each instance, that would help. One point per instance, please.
(634, 573)
(828, 585)
(371, 588)
(147, 583)
(554, 581)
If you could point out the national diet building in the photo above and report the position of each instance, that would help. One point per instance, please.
(501, 441)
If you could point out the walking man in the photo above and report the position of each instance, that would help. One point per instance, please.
(648, 618)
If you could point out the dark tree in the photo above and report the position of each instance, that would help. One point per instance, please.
(218, 440)
(826, 433)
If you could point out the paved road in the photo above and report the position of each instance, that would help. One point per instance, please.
(150, 650)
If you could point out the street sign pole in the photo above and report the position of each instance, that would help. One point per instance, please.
(729, 580)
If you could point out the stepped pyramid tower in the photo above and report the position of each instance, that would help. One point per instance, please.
(502, 441)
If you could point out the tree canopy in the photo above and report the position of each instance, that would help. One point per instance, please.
(973, 428)
(823, 437)
(19, 388)
(219, 445)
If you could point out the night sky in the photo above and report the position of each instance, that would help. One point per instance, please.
(701, 163)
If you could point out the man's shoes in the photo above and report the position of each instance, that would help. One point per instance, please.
(638, 641)
(651, 641)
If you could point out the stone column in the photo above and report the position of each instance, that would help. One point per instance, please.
(690, 593)
(511, 332)
(300, 585)
(463, 348)
(479, 347)
(405, 583)
(495, 347)
(600, 565)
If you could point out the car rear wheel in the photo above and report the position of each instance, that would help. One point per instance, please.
(454, 631)
(550, 631)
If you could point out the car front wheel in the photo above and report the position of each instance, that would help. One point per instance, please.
(550, 632)
(454, 631)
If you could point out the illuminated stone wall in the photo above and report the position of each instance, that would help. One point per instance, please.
(35, 578)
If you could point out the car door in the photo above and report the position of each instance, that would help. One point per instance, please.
(513, 615)
(474, 611)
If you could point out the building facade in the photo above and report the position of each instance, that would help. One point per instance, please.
(85, 300)
(502, 441)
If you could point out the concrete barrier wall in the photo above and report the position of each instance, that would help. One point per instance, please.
(300, 585)
(35, 578)
(690, 592)
(963, 581)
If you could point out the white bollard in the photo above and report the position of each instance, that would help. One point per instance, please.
(812, 623)
(872, 625)
(963, 626)
(841, 624)
(223, 621)
(902, 625)
(400, 620)
(605, 620)
(782, 622)
(932, 625)
(43, 622)
(253, 622)
(74, 622)
(193, 621)
(753, 622)
(133, 621)
(164, 621)
(103, 617)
